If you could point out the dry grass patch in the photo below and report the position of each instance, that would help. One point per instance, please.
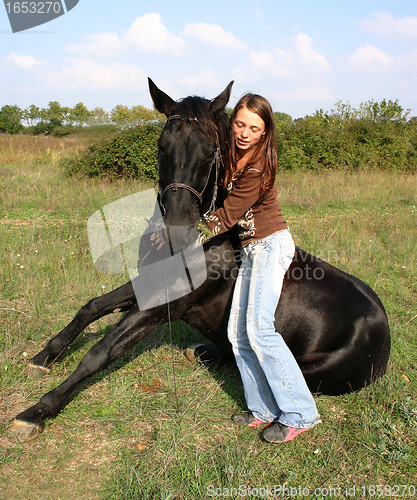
(26, 150)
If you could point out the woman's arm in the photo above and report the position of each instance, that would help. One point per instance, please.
(245, 193)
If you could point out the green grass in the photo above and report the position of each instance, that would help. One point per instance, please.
(126, 435)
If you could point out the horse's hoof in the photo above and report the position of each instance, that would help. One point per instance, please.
(26, 431)
(37, 371)
(190, 353)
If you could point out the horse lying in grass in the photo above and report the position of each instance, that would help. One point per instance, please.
(334, 324)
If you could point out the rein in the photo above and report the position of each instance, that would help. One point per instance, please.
(217, 161)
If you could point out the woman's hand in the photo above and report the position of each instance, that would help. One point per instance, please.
(204, 233)
(156, 239)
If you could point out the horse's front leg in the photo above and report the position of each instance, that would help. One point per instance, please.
(119, 300)
(130, 330)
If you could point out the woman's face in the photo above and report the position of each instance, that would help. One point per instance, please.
(248, 128)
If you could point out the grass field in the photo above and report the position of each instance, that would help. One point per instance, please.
(122, 436)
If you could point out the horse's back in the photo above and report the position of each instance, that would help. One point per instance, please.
(334, 324)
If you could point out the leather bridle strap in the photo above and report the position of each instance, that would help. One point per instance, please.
(175, 185)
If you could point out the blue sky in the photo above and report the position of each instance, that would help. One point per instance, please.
(301, 55)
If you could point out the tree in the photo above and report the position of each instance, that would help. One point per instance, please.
(383, 111)
(228, 111)
(99, 116)
(374, 111)
(65, 110)
(10, 119)
(32, 115)
(43, 114)
(121, 116)
(125, 118)
(50, 118)
(344, 111)
(140, 114)
(79, 114)
(55, 114)
(282, 119)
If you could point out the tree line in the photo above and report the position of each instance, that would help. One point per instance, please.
(62, 120)
(45, 120)
(375, 135)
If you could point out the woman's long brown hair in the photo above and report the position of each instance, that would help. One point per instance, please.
(266, 148)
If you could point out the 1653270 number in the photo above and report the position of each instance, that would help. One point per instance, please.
(384, 490)
(33, 7)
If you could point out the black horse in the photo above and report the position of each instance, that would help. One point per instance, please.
(334, 324)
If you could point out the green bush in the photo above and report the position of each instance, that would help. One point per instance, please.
(52, 128)
(131, 154)
(97, 132)
(64, 130)
(322, 142)
(40, 128)
(378, 135)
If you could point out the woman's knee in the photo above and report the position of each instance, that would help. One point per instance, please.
(236, 327)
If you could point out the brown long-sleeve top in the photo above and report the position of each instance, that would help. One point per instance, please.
(257, 217)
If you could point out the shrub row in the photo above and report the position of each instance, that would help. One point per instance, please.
(318, 142)
(322, 143)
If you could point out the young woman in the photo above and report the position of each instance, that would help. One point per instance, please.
(275, 390)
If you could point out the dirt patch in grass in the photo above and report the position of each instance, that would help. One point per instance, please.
(69, 460)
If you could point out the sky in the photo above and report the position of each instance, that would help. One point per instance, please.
(301, 55)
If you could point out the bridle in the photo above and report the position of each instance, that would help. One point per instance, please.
(217, 161)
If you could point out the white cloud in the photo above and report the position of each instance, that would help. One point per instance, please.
(85, 73)
(300, 59)
(296, 73)
(309, 56)
(276, 61)
(370, 59)
(147, 33)
(407, 63)
(384, 24)
(214, 35)
(316, 92)
(98, 44)
(204, 79)
(26, 62)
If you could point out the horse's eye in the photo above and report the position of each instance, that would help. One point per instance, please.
(210, 157)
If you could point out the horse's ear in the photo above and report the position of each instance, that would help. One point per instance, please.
(162, 102)
(218, 104)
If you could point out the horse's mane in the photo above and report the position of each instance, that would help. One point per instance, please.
(197, 112)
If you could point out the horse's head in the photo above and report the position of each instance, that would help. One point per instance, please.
(190, 151)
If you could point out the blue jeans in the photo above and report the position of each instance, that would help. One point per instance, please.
(275, 389)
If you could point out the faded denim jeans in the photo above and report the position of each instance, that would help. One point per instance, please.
(275, 389)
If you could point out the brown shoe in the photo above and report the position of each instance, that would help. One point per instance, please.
(280, 433)
(248, 420)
